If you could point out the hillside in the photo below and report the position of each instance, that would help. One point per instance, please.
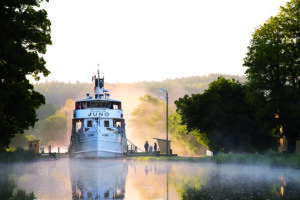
(58, 92)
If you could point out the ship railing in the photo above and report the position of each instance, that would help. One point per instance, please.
(132, 148)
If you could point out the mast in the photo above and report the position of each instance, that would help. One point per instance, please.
(100, 92)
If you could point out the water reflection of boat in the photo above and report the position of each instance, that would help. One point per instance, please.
(94, 179)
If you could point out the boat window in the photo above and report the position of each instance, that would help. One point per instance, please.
(89, 123)
(107, 105)
(99, 82)
(99, 104)
(77, 105)
(119, 126)
(106, 123)
(77, 126)
(96, 82)
(95, 124)
(106, 194)
(116, 105)
(118, 122)
(82, 105)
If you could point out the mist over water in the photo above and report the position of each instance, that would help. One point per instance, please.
(121, 179)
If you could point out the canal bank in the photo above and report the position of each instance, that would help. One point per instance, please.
(272, 159)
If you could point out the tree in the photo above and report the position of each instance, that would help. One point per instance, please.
(188, 143)
(25, 32)
(149, 114)
(273, 70)
(21, 141)
(54, 130)
(149, 120)
(222, 119)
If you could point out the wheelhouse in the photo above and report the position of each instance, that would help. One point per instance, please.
(115, 105)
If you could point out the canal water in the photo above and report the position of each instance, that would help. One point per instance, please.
(120, 179)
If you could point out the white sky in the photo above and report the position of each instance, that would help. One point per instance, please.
(138, 40)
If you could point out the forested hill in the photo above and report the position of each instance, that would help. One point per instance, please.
(58, 92)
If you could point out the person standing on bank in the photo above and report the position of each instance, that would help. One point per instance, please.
(155, 147)
(146, 146)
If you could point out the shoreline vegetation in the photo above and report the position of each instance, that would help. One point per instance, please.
(272, 159)
(18, 155)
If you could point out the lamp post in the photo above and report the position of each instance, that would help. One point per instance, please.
(166, 97)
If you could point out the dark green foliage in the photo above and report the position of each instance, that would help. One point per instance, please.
(273, 70)
(8, 188)
(19, 155)
(19, 141)
(178, 131)
(241, 187)
(25, 32)
(222, 119)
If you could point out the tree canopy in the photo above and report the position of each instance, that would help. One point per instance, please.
(148, 120)
(222, 118)
(25, 32)
(273, 70)
(53, 130)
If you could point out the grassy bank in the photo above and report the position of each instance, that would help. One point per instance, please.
(18, 155)
(273, 159)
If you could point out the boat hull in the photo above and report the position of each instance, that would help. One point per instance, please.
(96, 154)
(97, 147)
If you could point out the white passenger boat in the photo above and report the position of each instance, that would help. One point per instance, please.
(98, 126)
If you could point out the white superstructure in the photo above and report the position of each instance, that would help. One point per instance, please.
(98, 126)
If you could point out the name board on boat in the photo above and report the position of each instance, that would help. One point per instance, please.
(97, 114)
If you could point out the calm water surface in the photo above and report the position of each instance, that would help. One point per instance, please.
(118, 179)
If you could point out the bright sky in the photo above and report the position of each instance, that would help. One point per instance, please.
(143, 40)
